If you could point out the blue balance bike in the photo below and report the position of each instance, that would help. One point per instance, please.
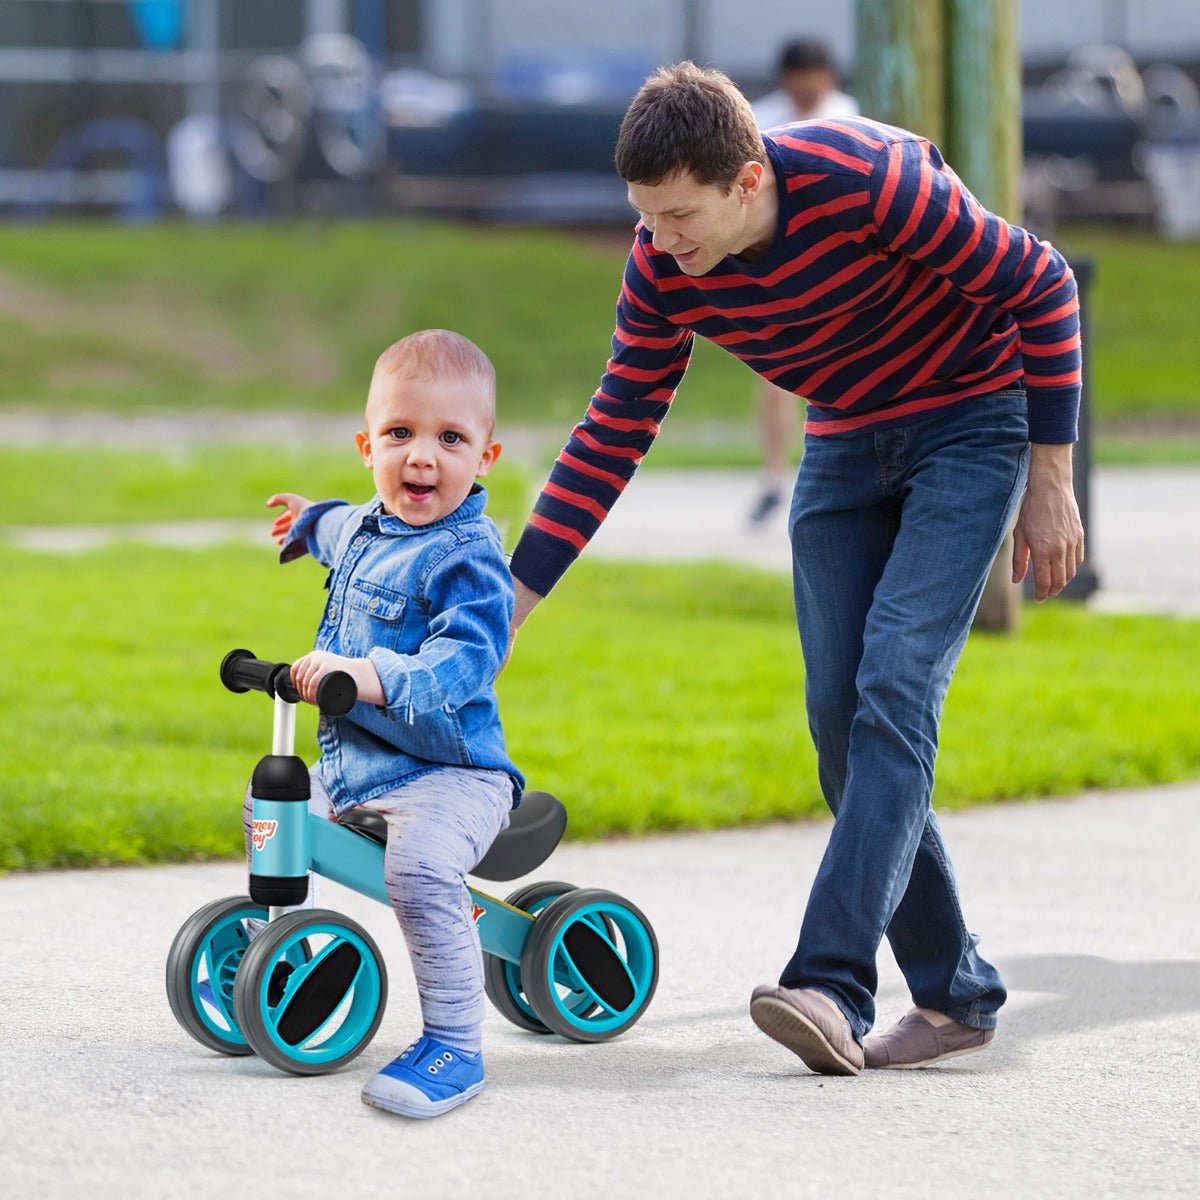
(306, 990)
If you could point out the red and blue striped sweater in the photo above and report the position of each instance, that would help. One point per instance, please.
(888, 292)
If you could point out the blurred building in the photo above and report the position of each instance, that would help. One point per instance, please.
(500, 108)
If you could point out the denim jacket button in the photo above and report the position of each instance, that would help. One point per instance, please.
(374, 603)
(333, 611)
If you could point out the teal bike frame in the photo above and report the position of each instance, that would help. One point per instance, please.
(287, 840)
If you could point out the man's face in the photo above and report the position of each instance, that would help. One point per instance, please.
(425, 443)
(808, 88)
(698, 224)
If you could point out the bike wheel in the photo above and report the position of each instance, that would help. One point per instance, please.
(501, 978)
(202, 966)
(594, 945)
(320, 1014)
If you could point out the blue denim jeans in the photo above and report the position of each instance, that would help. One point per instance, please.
(893, 534)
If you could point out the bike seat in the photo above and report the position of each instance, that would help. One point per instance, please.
(534, 829)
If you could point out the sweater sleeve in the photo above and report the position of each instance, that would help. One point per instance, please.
(921, 209)
(316, 531)
(648, 361)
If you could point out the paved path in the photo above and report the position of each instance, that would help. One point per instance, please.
(1144, 541)
(1088, 906)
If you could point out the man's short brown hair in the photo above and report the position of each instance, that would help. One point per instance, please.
(688, 118)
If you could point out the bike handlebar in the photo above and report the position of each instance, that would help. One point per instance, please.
(337, 693)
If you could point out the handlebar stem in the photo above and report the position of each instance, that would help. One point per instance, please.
(283, 738)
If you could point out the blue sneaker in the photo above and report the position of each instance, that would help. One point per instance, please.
(428, 1079)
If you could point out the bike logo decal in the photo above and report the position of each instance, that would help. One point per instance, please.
(476, 912)
(262, 832)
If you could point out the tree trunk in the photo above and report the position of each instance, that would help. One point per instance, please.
(983, 145)
(899, 63)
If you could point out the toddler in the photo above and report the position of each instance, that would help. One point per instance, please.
(419, 603)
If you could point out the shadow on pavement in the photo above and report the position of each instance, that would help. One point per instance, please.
(1092, 992)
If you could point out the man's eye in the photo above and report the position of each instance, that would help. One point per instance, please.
(451, 438)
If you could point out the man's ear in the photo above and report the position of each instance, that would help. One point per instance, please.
(487, 460)
(749, 180)
(363, 441)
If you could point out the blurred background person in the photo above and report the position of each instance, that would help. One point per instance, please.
(808, 90)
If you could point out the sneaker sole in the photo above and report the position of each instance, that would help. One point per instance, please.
(433, 1109)
(791, 1028)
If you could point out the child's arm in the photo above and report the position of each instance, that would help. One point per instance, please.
(308, 527)
(293, 506)
(307, 673)
(470, 599)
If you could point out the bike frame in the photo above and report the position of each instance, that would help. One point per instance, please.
(289, 840)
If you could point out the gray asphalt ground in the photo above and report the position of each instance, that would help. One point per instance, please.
(1088, 906)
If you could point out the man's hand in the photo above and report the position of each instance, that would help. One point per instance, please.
(525, 601)
(293, 506)
(1048, 528)
(307, 673)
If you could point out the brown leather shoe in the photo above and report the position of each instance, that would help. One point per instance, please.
(914, 1041)
(802, 1020)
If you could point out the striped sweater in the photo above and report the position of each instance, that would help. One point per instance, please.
(889, 292)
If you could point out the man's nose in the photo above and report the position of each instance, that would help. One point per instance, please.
(663, 236)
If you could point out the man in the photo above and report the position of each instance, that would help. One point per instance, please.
(808, 91)
(934, 342)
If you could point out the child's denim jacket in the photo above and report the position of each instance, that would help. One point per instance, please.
(428, 605)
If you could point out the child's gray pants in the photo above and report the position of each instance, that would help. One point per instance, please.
(439, 826)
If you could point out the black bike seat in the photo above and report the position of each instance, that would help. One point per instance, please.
(535, 828)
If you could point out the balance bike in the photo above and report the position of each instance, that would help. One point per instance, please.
(306, 990)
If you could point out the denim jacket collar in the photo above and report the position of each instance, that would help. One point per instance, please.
(471, 509)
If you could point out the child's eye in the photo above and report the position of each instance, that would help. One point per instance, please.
(400, 433)
(451, 438)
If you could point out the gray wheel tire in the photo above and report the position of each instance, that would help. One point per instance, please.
(181, 966)
(495, 977)
(258, 963)
(536, 974)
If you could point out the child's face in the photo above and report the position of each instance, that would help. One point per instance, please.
(426, 442)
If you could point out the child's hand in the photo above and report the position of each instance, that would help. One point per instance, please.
(293, 505)
(307, 673)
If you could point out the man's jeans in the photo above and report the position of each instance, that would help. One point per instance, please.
(893, 533)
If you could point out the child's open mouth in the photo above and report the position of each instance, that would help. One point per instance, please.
(417, 491)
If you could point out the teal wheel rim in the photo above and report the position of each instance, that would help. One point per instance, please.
(322, 1030)
(578, 1004)
(214, 969)
(631, 945)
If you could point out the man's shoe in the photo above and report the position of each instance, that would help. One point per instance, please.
(428, 1079)
(766, 504)
(804, 1021)
(915, 1041)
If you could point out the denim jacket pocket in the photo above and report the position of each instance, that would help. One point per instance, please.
(376, 616)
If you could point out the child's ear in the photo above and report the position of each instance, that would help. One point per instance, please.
(363, 441)
(487, 460)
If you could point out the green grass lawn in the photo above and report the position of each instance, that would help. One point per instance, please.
(89, 485)
(648, 698)
(1142, 304)
(293, 315)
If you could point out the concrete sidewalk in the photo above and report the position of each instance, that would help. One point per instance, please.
(1144, 541)
(1088, 906)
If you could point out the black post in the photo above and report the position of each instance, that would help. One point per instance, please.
(1087, 580)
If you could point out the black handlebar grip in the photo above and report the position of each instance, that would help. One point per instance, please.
(337, 694)
(241, 671)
